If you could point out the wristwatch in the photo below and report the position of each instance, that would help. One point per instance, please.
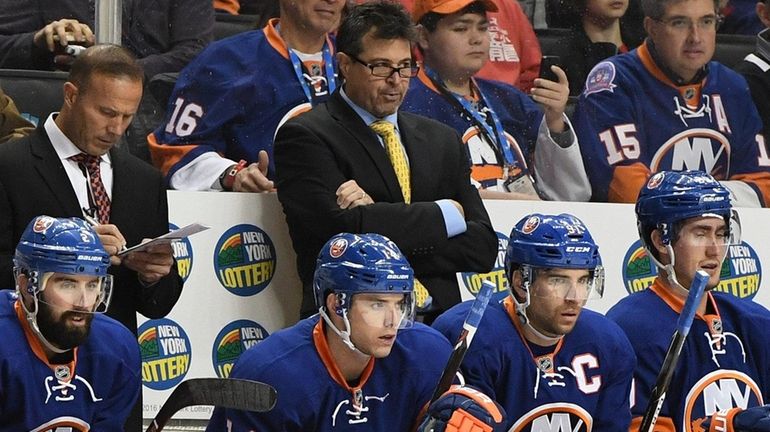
(227, 179)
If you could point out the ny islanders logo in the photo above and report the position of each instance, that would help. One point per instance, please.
(244, 260)
(740, 275)
(183, 253)
(472, 281)
(555, 417)
(232, 341)
(166, 353)
(719, 390)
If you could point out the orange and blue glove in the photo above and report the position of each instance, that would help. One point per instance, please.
(463, 409)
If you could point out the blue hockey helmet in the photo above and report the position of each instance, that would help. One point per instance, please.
(68, 246)
(350, 264)
(673, 196)
(550, 242)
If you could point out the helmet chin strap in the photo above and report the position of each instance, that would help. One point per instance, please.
(521, 311)
(344, 335)
(669, 269)
(32, 321)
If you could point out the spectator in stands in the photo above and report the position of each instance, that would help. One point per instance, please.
(69, 167)
(12, 124)
(740, 17)
(358, 164)
(264, 8)
(562, 14)
(514, 51)
(164, 34)
(667, 106)
(508, 137)
(756, 69)
(596, 34)
(228, 104)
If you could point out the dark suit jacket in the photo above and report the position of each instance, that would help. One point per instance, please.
(33, 182)
(321, 149)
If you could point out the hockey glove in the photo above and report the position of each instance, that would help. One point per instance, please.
(463, 409)
(754, 419)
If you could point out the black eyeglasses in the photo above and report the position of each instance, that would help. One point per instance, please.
(382, 70)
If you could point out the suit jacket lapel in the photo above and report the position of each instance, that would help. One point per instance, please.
(121, 187)
(49, 167)
(350, 121)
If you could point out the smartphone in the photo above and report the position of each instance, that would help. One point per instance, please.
(545, 67)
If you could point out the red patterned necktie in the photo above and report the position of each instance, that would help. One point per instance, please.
(100, 197)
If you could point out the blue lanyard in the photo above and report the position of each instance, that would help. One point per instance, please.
(328, 66)
(496, 134)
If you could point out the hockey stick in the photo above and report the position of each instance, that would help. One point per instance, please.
(464, 340)
(232, 393)
(697, 288)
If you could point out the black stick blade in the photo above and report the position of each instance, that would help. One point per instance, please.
(240, 394)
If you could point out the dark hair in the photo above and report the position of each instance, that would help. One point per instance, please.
(387, 19)
(655, 9)
(430, 20)
(105, 59)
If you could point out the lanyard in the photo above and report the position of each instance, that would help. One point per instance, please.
(495, 135)
(328, 66)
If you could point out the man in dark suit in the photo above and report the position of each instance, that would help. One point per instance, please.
(411, 184)
(50, 172)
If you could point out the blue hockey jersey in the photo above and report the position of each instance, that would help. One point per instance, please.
(313, 395)
(95, 391)
(558, 172)
(582, 385)
(232, 98)
(724, 362)
(632, 121)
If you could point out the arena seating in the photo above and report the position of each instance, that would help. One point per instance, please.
(36, 93)
(730, 49)
(226, 25)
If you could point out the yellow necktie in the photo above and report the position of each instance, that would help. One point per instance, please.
(387, 131)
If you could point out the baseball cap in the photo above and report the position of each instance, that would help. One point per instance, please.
(446, 7)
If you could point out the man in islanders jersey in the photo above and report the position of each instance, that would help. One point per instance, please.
(63, 364)
(229, 102)
(666, 106)
(361, 363)
(510, 140)
(551, 364)
(686, 223)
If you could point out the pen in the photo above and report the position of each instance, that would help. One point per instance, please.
(94, 223)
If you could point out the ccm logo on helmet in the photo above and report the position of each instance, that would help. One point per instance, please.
(578, 249)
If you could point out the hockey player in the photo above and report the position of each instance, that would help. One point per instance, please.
(517, 150)
(686, 223)
(537, 352)
(229, 102)
(63, 364)
(361, 363)
(666, 106)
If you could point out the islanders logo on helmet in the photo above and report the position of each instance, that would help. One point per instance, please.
(531, 224)
(338, 247)
(245, 260)
(656, 180)
(166, 353)
(42, 224)
(235, 338)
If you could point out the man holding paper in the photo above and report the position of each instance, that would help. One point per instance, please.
(68, 167)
